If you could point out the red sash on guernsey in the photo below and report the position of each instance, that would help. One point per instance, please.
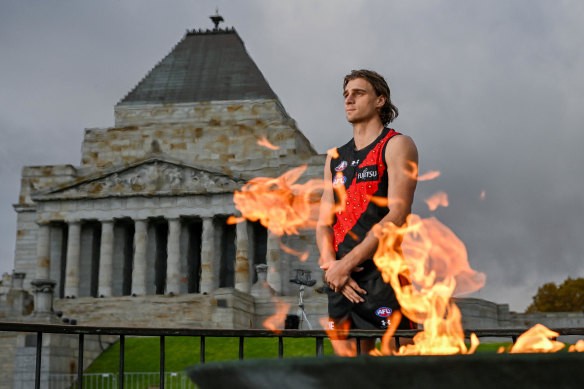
(364, 175)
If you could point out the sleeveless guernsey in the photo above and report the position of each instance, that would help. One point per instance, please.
(364, 175)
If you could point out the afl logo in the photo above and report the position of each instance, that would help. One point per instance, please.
(341, 166)
(339, 179)
(383, 312)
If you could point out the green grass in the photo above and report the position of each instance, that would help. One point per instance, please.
(142, 354)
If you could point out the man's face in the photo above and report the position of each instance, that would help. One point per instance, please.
(361, 102)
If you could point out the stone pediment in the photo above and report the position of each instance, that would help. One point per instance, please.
(153, 177)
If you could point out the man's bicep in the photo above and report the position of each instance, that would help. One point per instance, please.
(401, 155)
(327, 199)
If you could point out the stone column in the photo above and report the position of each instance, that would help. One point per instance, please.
(73, 253)
(241, 260)
(43, 251)
(273, 262)
(173, 273)
(207, 256)
(106, 253)
(139, 269)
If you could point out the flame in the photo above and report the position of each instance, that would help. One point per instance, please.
(578, 347)
(434, 260)
(413, 173)
(384, 201)
(302, 255)
(438, 199)
(263, 141)
(483, 195)
(538, 339)
(279, 203)
(338, 335)
(275, 322)
(333, 153)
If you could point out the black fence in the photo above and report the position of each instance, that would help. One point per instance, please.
(318, 335)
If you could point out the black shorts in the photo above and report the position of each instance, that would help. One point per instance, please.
(373, 313)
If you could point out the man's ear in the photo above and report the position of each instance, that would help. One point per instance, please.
(380, 101)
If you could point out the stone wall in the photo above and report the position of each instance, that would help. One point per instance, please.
(26, 246)
(549, 319)
(7, 350)
(224, 308)
(59, 355)
(39, 178)
(222, 135)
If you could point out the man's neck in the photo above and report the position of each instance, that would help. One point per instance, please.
(365, 133)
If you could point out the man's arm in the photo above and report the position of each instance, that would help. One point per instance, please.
(324, 231)
(400, 153)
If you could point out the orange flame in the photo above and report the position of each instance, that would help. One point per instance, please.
(263, 141)
(438, 199)
(333, 153)
(280, 204)
(483, 195)
(275, 322)
(578, 347)
(413, 173)
(538, 339)
(434, 260)
(302, 255)
(338, 335)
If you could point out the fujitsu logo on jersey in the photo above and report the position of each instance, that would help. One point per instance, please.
(367, 173)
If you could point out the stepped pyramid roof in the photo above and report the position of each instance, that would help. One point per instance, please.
(210, 65)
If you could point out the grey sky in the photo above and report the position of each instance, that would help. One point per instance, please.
(491, 91)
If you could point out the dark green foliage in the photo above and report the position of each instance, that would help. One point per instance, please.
(567, 297)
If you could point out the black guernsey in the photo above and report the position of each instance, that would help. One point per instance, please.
(364, 176)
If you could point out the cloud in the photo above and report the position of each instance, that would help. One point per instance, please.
(490, 91)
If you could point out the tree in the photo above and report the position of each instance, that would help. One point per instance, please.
(568, 297)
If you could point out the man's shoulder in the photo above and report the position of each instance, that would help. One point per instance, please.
(401, 146)
(343, 150)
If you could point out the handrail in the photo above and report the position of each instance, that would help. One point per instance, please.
(203, 333)
(236, 333)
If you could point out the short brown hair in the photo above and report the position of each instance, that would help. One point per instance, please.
(389, 111)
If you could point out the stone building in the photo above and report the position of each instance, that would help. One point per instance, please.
(136, 234)
(144, 213)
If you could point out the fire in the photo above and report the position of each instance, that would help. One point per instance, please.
(413, 173)
(338, 336)
(483, 195)
(276, 322)
(578, 347)
(263, 141)
(333, 153)
(302, 255)
(438, 199)
(280, 204)
(434, 260)
(538, 339)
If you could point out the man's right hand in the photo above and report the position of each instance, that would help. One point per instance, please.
(353, 292)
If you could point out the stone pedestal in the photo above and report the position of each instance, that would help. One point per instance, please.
(43, 301)
(262, 289)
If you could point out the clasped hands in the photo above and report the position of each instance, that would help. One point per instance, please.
(337, 275)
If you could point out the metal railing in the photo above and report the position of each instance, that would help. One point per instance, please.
(172, 380)
(162, 333)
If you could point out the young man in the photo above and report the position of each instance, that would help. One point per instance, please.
(377, 162)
